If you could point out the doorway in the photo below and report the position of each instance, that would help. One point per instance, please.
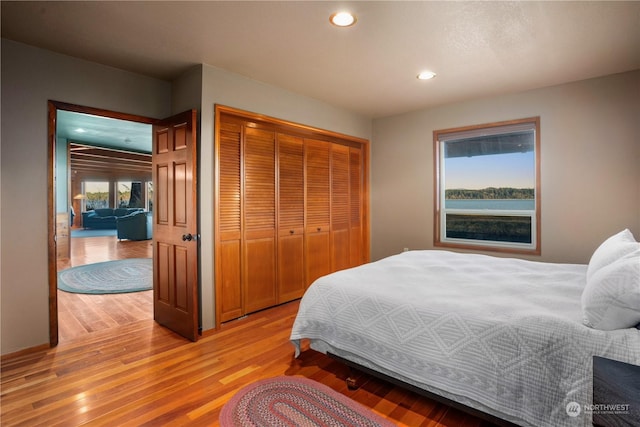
(176, 251)
(101, 136)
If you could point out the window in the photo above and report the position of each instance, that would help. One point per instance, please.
(130, 194)
(149, 196)
(124, 194)
(487, 186)
(96, 195)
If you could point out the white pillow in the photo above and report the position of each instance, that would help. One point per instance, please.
(612, 249)
(611, 298)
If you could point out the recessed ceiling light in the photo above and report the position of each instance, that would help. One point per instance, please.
(342, 19)
(426, 75)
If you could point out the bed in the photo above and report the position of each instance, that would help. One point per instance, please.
(511, 338)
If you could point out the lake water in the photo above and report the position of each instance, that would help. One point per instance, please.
(492, 204)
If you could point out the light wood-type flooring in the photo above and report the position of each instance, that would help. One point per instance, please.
(139, 373)
(81, 314)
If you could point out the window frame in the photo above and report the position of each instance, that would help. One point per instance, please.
(439, 138)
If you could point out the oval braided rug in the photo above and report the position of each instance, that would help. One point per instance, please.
(295, 401)
(109, 277)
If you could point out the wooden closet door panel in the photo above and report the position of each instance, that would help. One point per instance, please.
(317, 255)
(290, 183)
(317, 209)
(340, 208)
(356, 236)
(259, 270)
(229, 289)
(229, 182)
(229, 222)
(259, 274)
(259, 181)
(318, 185)
(291, 284)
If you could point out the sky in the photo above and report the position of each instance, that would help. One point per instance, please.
(515, 170)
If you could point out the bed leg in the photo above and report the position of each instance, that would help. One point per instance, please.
(352, 379)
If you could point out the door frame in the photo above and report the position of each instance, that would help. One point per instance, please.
(53, 107)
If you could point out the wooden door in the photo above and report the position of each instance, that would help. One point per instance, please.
(318, 209)
(356, 233)
(291, 283)
(340, 255)
(259, 256)
(228, 216)
(175, 216)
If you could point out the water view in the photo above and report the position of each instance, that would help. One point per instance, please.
(492, 204)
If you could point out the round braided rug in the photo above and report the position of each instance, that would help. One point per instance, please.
(295, 401)
(109, 277)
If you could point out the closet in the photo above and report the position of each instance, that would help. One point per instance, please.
(290, 206)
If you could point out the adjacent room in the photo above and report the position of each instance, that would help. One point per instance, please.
(413, 213)
(104, 199)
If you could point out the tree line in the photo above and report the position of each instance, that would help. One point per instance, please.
(490, 193)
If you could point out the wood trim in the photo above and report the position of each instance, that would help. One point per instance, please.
(216, 218)
(90, 162)
(281, 125)
(438, 188)
(365, 203)
(101, 112)
(24, 352)
(51, 226)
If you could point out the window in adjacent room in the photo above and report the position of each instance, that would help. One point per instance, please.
(124, 194)
(149, 197)
(97, 194)
(131, 194)
(487, 186)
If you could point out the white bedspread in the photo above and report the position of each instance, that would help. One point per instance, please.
(497, 334)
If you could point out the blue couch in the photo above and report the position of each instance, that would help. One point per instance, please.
(105, 218)
(135, 226)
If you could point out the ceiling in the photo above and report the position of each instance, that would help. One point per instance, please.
(104, 131)
(477, 49)
(94, 162)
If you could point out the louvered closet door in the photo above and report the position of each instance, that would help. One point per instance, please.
(340, 208)
(356, 235)
(229, 251)
(259, 270)
(291, 284)
(317, 209)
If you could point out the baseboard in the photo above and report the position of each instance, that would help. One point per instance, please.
(24, 352)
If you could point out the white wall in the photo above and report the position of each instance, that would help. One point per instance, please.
(232, 90)
(31, 77)
(590, 165)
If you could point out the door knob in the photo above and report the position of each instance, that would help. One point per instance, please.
(187, 237)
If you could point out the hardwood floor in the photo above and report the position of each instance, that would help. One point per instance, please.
(135, 373)
(81, 314)
(143, 374)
